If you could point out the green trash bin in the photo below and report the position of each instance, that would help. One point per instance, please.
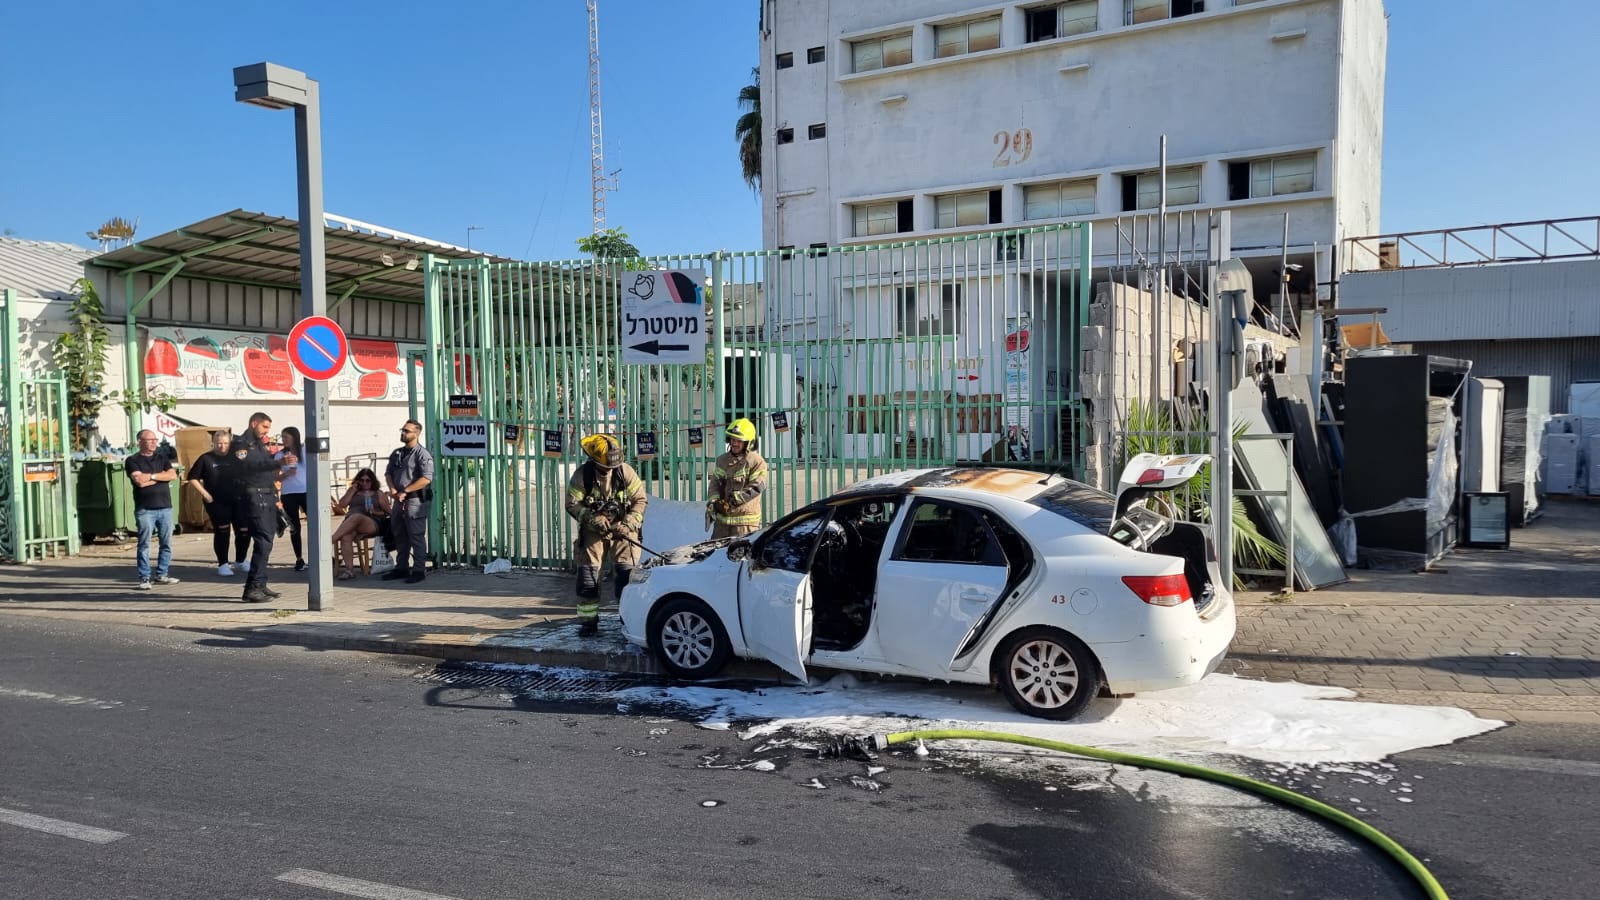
(105, 501)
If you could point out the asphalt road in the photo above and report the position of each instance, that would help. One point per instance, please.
(138, 763)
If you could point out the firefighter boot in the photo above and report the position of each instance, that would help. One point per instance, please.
(620, 576)
(588, 600)
(588, 582)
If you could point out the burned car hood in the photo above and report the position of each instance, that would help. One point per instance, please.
(688, 553)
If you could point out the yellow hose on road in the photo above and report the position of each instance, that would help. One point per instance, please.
(1411, 864)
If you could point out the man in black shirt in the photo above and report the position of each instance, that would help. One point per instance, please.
(152, 474)
(210, 481)
(254, 473)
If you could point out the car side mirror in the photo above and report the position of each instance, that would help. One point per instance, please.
(739, 550)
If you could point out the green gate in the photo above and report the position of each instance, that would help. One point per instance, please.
(852, 361)
(38, 514)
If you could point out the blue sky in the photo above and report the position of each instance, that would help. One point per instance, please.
(440, 116)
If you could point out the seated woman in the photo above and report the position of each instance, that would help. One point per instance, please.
(366, 510)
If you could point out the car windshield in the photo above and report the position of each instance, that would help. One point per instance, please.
(1094, 509)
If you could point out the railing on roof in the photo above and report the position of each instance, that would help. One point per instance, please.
(356, 225)
(1478, 245)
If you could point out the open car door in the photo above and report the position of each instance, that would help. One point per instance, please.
(775, 593)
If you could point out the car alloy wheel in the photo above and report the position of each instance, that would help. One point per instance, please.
(1047, 673)
(688, 639)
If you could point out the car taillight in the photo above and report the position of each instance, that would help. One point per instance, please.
(1159, 590)
(1151, 476)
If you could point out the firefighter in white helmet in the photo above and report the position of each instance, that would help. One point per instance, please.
(607, 498)
(740, 476)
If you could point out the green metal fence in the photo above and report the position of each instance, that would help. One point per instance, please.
(38, 513)
(851, 361)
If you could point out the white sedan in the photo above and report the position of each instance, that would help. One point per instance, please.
(1048, 587)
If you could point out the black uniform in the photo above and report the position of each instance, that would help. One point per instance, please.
(254, 474)
(210, 469)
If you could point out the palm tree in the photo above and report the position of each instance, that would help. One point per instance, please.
(748, 131)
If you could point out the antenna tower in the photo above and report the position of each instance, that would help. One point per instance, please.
(597, 162)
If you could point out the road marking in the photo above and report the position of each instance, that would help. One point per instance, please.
(1500, 761)
(56, 826)
(355, 887)
(65, 699)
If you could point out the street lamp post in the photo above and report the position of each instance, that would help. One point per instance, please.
(276, 87)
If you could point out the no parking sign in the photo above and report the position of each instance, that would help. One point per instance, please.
(318, 348)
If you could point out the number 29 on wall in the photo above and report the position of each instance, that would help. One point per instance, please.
(1015, 146)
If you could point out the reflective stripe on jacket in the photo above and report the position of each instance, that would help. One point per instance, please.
(622, 485)
(739, 480)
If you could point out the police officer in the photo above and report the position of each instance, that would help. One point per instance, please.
(254, 474)
(736, 484)
(607, 498)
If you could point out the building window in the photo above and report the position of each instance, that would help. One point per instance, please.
(816, 55)
(1059, 200)
(927, 319)
(966, 37)
(880, 53)
(1047, 22)
(814, 132)
(785, 60)
(971, 208)
(1142, 190)
(1135, 12)
(888, 217)
(1295, 174)
(785, 135)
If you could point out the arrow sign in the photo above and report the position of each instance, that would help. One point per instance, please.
(318, 348)
(656, 348)
(464, 437)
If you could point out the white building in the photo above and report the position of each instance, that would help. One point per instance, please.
(910, 119)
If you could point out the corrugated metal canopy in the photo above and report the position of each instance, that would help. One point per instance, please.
(254, 247)
(44, 269)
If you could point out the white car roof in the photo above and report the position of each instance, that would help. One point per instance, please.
(1016, 484)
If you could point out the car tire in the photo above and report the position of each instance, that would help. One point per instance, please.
(1047, 673)
(688, 638)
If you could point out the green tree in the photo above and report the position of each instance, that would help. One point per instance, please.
(80, 354)
(608, 243)
(747, 131)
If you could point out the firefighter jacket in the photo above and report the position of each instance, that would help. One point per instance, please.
(738, 481)
(618, 494)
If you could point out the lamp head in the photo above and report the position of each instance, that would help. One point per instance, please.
(271, 86)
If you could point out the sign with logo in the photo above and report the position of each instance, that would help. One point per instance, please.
(40, 472)
(464, 437)
(165, 425)
(663, 317)
(552, 444)
(190, 363)
(318, 348)
(465, 405)
(645, 445)
(513, 433)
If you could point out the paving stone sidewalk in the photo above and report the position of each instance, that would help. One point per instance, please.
(1511, 634)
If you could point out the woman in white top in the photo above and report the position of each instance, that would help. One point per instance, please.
(293, 492)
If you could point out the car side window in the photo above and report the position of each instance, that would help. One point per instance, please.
(949, 533)
(791, 547)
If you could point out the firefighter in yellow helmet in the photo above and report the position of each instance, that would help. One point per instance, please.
(736, 484)
(607, 498)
